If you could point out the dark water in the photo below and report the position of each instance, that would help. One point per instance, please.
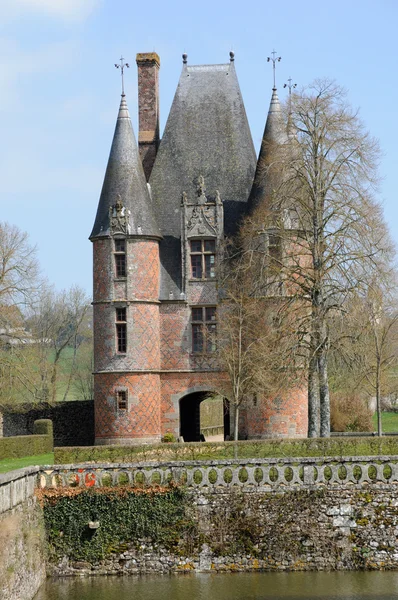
(229, 586)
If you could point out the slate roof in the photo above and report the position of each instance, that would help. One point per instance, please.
(274, 133)
(125, 177)
(207, 133)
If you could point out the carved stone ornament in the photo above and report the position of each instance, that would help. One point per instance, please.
(119, 218)
(200, 223)
(201, 215)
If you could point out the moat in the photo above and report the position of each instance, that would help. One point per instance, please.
(229, 586)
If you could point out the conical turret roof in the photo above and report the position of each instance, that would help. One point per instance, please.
(125, 182)
(274, 136)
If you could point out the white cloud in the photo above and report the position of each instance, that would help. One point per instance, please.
(70, 10)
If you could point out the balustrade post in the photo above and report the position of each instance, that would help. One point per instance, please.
(309, 475)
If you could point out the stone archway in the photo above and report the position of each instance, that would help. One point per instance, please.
(189, 410)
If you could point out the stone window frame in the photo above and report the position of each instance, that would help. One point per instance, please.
(203, 258)
(121, 329)
(122, 399)
(120, 257)
(204, 328)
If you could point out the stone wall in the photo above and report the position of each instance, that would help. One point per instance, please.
(73, 422)
(22, 545)
(303, 514)
(288, 531)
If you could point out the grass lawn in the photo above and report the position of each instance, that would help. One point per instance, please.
(389, 422)
(10, 464)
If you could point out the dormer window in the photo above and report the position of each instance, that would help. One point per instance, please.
(120, 257)
(203, 259)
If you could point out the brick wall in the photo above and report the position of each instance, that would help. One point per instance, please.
(283, 416)
(141, 422)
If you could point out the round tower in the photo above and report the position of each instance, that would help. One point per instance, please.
(126, 272)
(285, 414)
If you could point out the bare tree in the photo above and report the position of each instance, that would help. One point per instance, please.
(254, 337)
(331, 226)
(369, 343)
(18, 266)
(19, 283)
(83, 380)
(57, 321)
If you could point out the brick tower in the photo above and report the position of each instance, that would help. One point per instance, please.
(125, 240)
(287, 414)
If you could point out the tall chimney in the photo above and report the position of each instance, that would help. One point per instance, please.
(148, 64)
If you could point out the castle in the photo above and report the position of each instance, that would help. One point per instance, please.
(164, 208)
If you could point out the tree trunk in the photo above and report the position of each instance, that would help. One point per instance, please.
(53, 380)
(313, 398)
(378, 400)
(236, 422)
(324, 396)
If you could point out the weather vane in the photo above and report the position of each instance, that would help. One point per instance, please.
(121, 66)
(290, 85)
(274, 59)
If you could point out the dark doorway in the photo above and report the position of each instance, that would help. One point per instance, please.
(190, 416)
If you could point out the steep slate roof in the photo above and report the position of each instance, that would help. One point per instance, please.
(207, 133)
(125, 177)
(274, 133)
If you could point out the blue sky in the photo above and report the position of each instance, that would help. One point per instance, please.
(60, 92)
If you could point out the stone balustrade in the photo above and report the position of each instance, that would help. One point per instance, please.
(255, 474)
(16, 487)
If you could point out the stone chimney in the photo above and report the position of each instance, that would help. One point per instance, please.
(148, 108)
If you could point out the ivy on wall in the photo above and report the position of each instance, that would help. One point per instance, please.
(91, 524)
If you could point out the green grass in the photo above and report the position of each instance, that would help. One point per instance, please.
(10, 464)
(389, 422)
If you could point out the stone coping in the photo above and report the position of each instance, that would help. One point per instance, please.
(313, 460)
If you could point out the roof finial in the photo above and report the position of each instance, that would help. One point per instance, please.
(274, 59)
(185, 58)
(291, 86)
(121, 66)
(232, 56)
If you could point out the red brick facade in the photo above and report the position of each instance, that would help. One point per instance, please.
(159, 369)
(285, 416)
(135, 371)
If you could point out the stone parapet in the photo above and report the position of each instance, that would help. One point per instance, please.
(246, 475)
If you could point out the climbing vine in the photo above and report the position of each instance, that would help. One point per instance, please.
(91, 524)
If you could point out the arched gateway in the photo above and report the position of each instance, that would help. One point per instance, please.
(191, 420)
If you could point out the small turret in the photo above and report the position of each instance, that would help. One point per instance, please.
(125, 182)
(274, 137)
(125, 240)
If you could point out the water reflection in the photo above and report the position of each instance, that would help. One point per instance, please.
(229, 586)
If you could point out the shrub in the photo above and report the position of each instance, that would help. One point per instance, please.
(350, 413)
(41, 442)
(168, 438)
